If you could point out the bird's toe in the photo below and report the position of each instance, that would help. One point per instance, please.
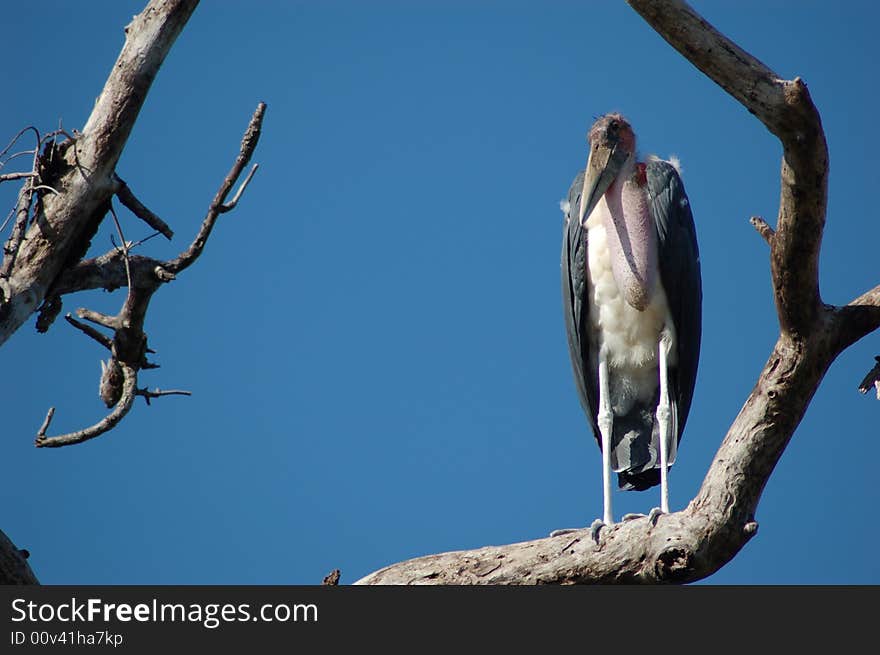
(595, 527)
(655, 514)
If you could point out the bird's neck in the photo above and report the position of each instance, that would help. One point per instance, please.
(631, 235)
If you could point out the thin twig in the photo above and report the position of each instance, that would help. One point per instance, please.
(158, 393)
(112, 322)
(16, 176)
(125, 247)
(22, 215)
(22, 209)
(232, 203)
(29, 128)
(763, 229)
(46, 422)
(128, 199)
(129, 387)
(246, 151)
(88, 330)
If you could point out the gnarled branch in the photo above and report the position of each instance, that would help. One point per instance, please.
(143, 277)
(83, 167)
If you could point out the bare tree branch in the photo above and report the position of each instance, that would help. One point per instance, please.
(143, 277)
(248, 145)
(88, 330)
(129, 391)
(158, 393)
(64, 199)
(84, 166)
(763, 229)
(127, 198)
(6, 177)
(693, 543)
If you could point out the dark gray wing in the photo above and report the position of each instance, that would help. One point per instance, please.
(575, 305)
(679, 260)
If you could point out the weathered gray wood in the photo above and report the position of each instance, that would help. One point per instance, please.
(84, 178)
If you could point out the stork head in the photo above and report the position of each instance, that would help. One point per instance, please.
(612, 144)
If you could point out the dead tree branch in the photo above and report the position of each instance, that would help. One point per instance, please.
(217, 207)
(127, 198)
(143, 277)
(65, 197)
(82, 168)
(693, 543)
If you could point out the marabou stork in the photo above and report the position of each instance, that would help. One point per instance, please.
(632, 301)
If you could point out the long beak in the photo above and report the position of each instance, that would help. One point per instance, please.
(603, 166)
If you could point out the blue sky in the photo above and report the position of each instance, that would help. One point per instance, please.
(374, 338)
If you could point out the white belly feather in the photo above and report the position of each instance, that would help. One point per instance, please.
(628, 338)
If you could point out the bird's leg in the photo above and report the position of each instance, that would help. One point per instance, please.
(606, 420)
(664, 414)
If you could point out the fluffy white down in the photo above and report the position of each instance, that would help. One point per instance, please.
(629, 338)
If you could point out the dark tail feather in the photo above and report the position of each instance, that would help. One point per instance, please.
(635, 440)
(629, 481)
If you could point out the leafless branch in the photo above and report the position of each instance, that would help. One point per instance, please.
(46, 422)
(128, 199)
(763, 229)
(129, 389)
(142, 276)
(6, 177)
(89, 331)
(147, 394)
(22, 208)
(248, 145)
(64, 223)
(229, 206)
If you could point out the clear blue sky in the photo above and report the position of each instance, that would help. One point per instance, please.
(374, 338)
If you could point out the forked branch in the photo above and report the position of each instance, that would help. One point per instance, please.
(143, 277)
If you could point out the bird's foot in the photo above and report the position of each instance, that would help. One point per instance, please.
(562, 531)
(652, 516)
(595, 527)
(632, 517)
